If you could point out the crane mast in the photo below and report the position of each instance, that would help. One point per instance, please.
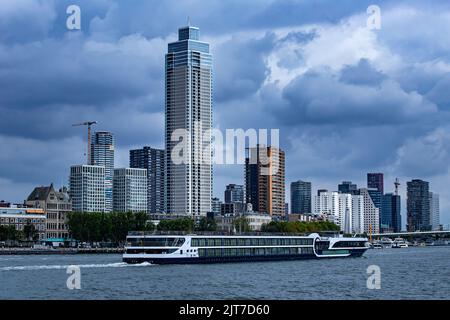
(88, 124)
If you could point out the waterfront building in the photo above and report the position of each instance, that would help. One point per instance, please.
(130, 190)
(357, 213)
(301, 197)
(265, 179)
(375, 181)
(188, 102)
(56, 205)
(102, 154)
(390, 213)
(226, 222)
(153, 160)
(434, 211)
(343, 207)
(87, 188)
(21, 217)
(418, 206)
(371, 217)
(348, 187)
(234, 193)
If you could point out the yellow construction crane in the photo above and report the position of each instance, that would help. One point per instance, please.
(88, 124)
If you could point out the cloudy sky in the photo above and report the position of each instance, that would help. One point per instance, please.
(347, 100)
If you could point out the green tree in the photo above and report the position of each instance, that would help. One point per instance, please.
(206, 224)
(182, 224)
(242, 225)
(30, 232)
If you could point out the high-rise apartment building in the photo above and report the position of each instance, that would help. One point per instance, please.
(418, 206)
(348, 187)
(434, 211)
(346, 209)
(371, 220)
(216, 206)
(102, 154)
(130, 190)
(265, 180)
(301, 197)
(234, 193)
(87, 188)
(188, 178)
(153, 160)
(375, 181)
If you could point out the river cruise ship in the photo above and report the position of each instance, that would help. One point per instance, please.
(186, 249)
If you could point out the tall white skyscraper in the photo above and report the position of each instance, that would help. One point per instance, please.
(87, 188)
(188, 183)
(434, 211)
(102, 154)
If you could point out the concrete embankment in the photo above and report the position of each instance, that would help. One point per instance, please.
(28, 251)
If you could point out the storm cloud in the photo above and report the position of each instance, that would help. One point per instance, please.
(347, 100)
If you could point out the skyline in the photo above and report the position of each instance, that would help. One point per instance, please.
(332, 142)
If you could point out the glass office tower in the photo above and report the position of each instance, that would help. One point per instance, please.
(188, 184)
(102, 154)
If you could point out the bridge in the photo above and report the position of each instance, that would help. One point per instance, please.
(415, 234)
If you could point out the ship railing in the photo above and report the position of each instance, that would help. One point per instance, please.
(217, 233)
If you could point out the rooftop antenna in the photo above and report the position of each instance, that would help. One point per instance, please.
(189, 21)
(397, 184)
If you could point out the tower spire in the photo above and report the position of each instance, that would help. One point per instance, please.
(397, 184)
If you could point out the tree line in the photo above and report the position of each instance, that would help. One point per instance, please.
(28, 233)
(299, 226)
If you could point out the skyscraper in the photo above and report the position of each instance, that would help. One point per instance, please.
(87, 188)
(371, 219)
(390, 213)
(376, 181)
(102, 154)
(188, 177)
(130, 190)
(434, 211)
(418, 206)
(348, 187)
(301, 197)
(153, 161)
(265, 179)
(234, 193)
(346, 210)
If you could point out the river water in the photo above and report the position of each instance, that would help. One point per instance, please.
(410, 273)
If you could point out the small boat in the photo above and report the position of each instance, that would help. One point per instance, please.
(386, 242)
(399, 243)
(376, 245)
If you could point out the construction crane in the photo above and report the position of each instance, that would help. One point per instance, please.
(88, 124)
(397, 184)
